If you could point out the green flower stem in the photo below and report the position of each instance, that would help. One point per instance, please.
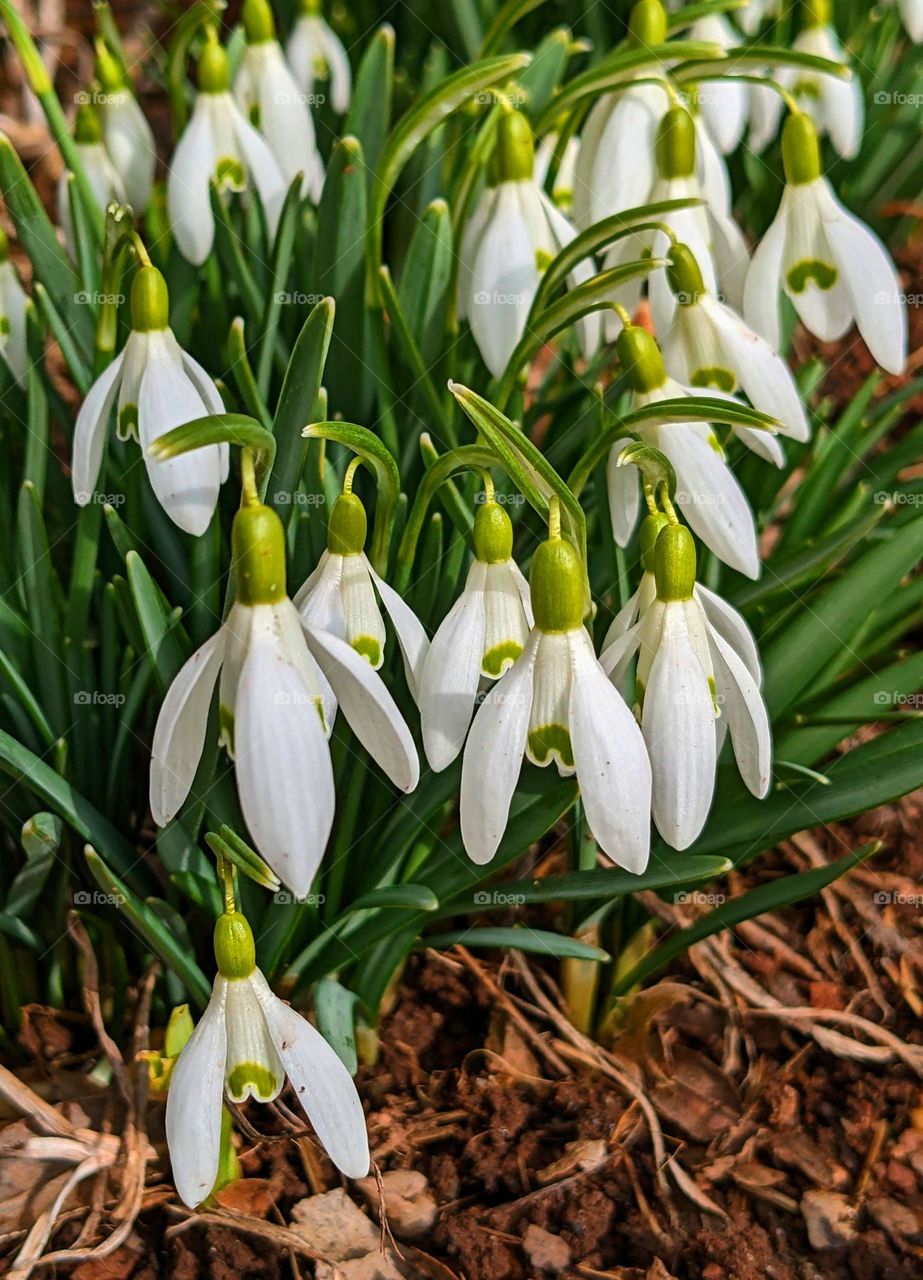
(381, 463)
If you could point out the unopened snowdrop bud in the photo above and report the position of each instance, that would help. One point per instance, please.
(674, 563)
(157, 386)
(481, 637)
(258, 549)
(675, 145)
(12, 314)
(647, 23)
(685, 276)
(555, 705)
(640, 358)
(832, 267)
(246, 1043)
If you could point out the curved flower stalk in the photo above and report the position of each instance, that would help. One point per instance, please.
(512, 236)
(712, 236)
(315, 52)
(341, 596)
(127, 136)
(479, 640)
(713, 502)
(722, 103)
(710, 346)
(831, 266)
(912, 17)
(219, 145)
(245, 1045)
(280, 685)
(556, 705)
(565, 178)
(159, 387)
(104, 179)
(13, 301)
(268, 93)
(697, 662)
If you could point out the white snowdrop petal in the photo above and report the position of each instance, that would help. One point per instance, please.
(90, 431)
(731, 627)
(506, 624)
(504, 278)
(194, 1100)
(613, 770)
(180, 732)
(624, 489)
(452, 671)
(764, 279)
(365, 628)
(763, 443)
(253, 1068)
(745, 710)
(410, 632)
(188, 205)
(129, 140)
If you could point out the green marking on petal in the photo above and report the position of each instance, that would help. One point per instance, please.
(713, 690)
(549, 741)
(542, 260)
(370, 648)
(5, 327)
(229, 172)
(226, 728)
(720, 379)
(715, 444)
(824, 275)
(126, 427)
(252, 1079)
(807, 89)
(501, 656)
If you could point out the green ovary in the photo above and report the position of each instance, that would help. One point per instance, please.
(495, 659)
(721, 379)
(551, 740)
(370, 648)
(251, 1077)
(824, 275)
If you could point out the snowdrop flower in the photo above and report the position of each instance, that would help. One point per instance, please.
(722, 103)
(912, 16)
(268, 92)
(765, 111)
(512, 236)
(710, 346)
(556, 705)
(712, 236)
(159, 387)
(219, 145)
(834, 104)
(831, 266)
(315, 52)
(280, 683)
(341, 596)
(103, 178)
(696, 662)
(246, 1043)
(713, 502)
(480, 638)
(13, 303)
(563, 192)
(127, 136)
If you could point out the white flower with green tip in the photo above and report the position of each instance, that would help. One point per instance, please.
(713, 501)
(158, 386)
(13, 302)
(480, 638)
(218, 145)
(690, 671)
(722, 103)
(246, 1044)
(281, 683)
(266, 90)
(126, 134)
(711, 348)
(508, 243)
(831, 266)
(315, 52)
(341, 596)
(833, 102)
(103, 179)
(555, 705)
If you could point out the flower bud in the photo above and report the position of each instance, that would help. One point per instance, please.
(235, 950)
(258, 550)
(493, 534)
(347, 527)
(676, 144)
(674, 563)
(150, 301)
(684, 275)
(514, 149)
(640, 358)
(556, 584)
(651, 526)
(800, 149)
(259, 24)
(647, 23)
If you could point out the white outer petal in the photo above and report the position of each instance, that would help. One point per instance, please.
(764, 279)
(504, 278)
(89, 441)
(452, 671)
(410, 632)
(180, 732)
(130, 143)
(368, 706)
(191, 168)
(613, 770)
(732, 629)
(624, 489)
(493, 757)
(194, 1100)
(322, 1085)
(746, 715)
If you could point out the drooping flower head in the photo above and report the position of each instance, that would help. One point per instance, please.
(315, 53)
(159, 386)
(127, 136)
(246, 1043)
(103, 178)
